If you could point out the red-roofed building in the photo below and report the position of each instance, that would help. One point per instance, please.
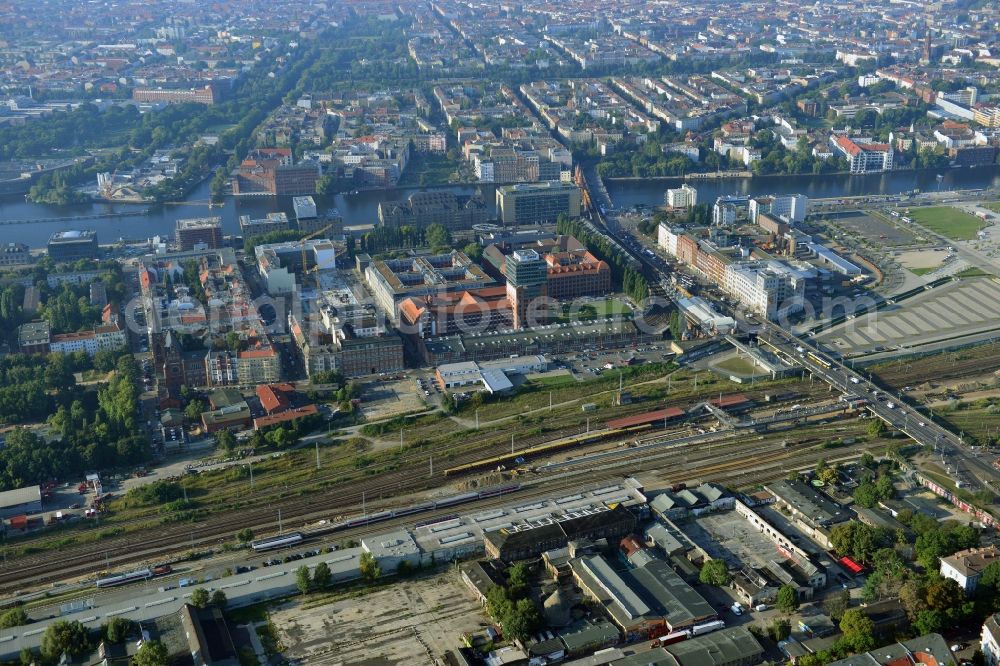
(658, 416)
(863, 155)
(851, 565)
(258, 366)
(275, 398)
(284, 417)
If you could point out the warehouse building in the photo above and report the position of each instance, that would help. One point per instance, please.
(20, 501)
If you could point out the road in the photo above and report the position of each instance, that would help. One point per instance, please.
(893, 408)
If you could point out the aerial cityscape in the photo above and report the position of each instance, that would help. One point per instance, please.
(445, 332)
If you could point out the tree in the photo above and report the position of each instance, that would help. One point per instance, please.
(714, 572)
(200, 598)
(193, 410)
(117, 629)
(522, 620)
(151, 653)
(473, 250)
(321, 576)
(437, 236)
(780, 629)
(302, 579)
(944, 594)
(15, 617)
(225, 440)
(876, 428)
(929, 622)
(518, 584)
(370, 570)
(837, 604)
(219, 599)
(788, 599)
(866, 495)
(64, 637)
(858, 630)
(912, 598)
(245, 535)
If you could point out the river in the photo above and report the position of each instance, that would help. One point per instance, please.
(650, 192)
(361, 208)
(357, 209)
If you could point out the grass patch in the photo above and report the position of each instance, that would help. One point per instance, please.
(552, 380)
(737, 365)
(947, 221)
(971, 272)
(247, 614)
(993, 206)
(923, 271)
(430, 169)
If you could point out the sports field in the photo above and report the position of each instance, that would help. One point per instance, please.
(948, 221)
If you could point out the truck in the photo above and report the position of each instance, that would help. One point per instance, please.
(707, 627)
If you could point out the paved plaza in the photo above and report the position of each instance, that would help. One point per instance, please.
(954, 310)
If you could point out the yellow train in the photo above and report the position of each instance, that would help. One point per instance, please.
(520, 457)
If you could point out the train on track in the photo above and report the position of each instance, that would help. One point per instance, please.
(543, 449)
(280, 541)
(115, 580)
(454, 500)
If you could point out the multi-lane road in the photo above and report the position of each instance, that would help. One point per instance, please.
(894, 408)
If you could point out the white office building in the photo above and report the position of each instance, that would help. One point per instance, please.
(766, 289)
(667, 238)
(791, 208)
(684, 196)
(990, 641)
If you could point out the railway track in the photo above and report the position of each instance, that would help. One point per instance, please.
(134, 543)
(139, 547)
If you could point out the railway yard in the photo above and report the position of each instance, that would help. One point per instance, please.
(326, 503)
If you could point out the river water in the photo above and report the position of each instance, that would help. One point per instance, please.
(361, 208)
(627, 193)
(357, 209)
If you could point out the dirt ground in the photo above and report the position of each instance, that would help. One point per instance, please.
(922, 258)
(386, 398)
(412, 622)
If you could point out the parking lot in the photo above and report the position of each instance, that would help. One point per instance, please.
(728, 536)
(870, 230)
(953, 310)
(406, 624)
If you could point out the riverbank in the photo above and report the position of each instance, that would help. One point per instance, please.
(740, 175)
(627, 192)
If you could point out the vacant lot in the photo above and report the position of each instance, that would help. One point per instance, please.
(921, 261)
(410, 622)
(871, 230)
(948, 221)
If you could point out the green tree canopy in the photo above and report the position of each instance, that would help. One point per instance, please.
(858, 629)
(200, 598)
(67, 637)
(370, 570)
(714, 572)
(117, 629)
(788, 599)
(302, 579)
(151, 653)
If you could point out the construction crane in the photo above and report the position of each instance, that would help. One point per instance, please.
(108, 189)
(305, 263)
